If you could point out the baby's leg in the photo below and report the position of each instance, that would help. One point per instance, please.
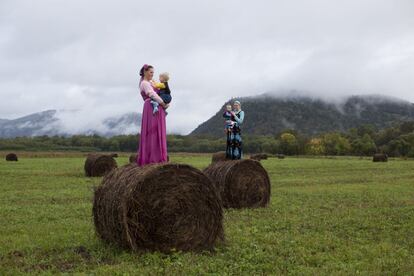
(166, 98)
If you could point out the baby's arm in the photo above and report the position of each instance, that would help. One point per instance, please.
(159, 85)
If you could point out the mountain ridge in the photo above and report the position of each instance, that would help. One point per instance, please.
(267, 114)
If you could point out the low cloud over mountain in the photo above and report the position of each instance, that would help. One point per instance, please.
(70, 122)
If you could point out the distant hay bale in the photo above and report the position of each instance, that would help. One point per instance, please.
(259, 156)
(380, 157)
(99, 164)
(240, 183)
(133, 158)
(219, 156)
(280, 156)
(11, 157)
(158, 207)
(114, 155)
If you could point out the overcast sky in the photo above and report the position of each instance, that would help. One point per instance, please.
(83, 54)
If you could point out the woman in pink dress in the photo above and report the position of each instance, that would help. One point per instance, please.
(153, 142)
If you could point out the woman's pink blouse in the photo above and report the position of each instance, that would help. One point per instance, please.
(147, 88)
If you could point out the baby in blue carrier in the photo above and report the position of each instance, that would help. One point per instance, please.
(228, 116)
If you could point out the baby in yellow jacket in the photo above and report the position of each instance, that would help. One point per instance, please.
(163, 90)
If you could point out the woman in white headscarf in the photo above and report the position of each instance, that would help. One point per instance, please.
(234, 148)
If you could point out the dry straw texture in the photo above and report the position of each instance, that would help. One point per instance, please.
(240, 183)
(99, 164)
(158, 207)
(218, 156)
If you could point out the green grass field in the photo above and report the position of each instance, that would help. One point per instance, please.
(326, 216)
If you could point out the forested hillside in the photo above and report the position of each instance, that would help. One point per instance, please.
(266, 115)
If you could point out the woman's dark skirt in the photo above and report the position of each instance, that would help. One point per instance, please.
(234, 144)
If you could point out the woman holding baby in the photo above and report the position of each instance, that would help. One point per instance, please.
(234, 119)
(153, 142)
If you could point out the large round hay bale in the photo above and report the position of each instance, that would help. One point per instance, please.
(380, 157)
(133, 158)
(259, 156)
(219, 156)
(240, 183)
(99, 164)
(11, 157)
(158, 207)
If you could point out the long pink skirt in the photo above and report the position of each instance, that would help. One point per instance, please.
(153, 142)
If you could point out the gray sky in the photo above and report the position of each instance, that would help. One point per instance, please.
(60, 54)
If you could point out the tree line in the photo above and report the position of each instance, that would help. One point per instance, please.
(396, 140)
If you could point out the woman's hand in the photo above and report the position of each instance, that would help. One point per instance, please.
(164, 105)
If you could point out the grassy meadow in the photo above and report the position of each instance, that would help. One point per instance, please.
(327, 216)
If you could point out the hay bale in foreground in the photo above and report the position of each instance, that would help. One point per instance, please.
(158, 207)
(259, 156)
(11, 157)
(280, 156)
(380, 157)
(218, 156)
(240, 183)
(133, 158)
(99, 164)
